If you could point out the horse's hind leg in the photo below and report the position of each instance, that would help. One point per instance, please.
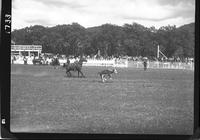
(110, 76)
(68, 72)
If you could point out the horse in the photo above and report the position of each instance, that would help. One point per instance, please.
(76, 66)
(55, 63)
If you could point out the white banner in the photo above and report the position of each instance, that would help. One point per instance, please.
(94, 62)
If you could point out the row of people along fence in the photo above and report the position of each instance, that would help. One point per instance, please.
(114, 62)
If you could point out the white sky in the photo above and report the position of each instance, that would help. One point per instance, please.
(89, 13)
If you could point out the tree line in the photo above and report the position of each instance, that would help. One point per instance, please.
(112, 40)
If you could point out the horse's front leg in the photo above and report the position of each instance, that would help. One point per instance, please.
(67, 73)
(82, 74)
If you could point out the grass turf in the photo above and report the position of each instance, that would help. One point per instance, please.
(43, 99)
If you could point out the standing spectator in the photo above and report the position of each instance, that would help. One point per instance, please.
(145, 64)
(13, 59)
(68, 61)
(25, 60)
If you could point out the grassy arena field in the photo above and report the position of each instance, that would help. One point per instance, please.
(43, 99)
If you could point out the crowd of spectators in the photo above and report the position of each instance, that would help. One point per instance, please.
(19, 58)
(47, 58)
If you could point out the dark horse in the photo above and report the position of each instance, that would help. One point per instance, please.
(76, 66)
(55, 62)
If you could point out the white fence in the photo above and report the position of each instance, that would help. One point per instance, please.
(123, 63)
(163, 65)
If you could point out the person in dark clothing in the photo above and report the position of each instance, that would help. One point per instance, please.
(68, 61)
(145, 65)
(25, 60)
(13, 59)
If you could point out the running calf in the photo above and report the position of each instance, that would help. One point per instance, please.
(106, 73)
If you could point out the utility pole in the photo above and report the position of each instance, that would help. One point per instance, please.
(158, 51)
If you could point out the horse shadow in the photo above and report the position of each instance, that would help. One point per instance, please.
(99, 81)
(73, 76)
(85, 79)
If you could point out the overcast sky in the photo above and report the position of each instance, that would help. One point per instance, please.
(89, 13)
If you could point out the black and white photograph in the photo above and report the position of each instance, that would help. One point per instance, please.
(102, 66)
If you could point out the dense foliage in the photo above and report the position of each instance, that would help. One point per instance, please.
(129, 39)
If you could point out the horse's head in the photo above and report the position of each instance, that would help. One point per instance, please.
(114, 70)
(82, 60)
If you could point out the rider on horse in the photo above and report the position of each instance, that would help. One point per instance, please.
(76, 66)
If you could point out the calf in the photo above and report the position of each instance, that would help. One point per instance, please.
(105, 73)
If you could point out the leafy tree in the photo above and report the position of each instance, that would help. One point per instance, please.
(129, 39)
